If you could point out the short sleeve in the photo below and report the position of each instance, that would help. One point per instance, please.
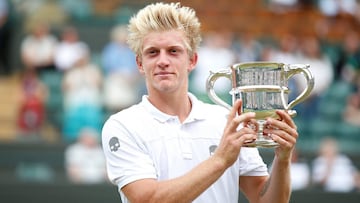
(126, 158)
(251, 163)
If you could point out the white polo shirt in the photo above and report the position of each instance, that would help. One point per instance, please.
(143, 142)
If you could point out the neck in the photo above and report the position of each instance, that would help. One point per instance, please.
(172, 104)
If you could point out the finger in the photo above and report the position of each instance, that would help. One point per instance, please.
(237, 106)
(284, 143)
(282, 136)
(247, 138)
(286, 117)
(243, 135)
(252, 123)
(235, 110)
(243, 118)
(282, 133)
(285, 122)
(274, 126)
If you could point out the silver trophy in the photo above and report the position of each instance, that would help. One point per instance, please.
(263, 88)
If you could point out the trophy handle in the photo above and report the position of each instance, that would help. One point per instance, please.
(210, 86)
(294, 69)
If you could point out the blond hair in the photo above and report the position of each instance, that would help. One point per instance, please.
(164, 17)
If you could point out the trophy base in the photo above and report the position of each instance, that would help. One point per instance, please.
(262, 144)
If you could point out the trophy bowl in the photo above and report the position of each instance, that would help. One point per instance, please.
(263, 89)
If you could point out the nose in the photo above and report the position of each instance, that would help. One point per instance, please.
(163, 60)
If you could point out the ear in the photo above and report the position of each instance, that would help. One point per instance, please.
(139, 65)
(193, 62)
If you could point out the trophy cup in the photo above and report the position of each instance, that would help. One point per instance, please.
(263, 88)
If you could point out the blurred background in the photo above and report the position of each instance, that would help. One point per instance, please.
(65, 67)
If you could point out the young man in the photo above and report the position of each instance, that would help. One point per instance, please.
(171, 147)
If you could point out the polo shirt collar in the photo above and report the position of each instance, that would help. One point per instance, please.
(195, 114)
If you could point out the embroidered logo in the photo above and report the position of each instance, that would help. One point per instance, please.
(212, 149)
(114, 144)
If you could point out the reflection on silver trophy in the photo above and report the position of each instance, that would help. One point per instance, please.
(263, 88)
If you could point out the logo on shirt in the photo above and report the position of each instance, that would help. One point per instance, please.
(212, 149)
(114, 144)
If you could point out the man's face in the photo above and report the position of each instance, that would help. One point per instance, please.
(165, 61)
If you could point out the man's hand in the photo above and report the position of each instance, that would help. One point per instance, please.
(234, 137)
(284, 132)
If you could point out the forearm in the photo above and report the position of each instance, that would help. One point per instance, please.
(185, 188)
(278, 187)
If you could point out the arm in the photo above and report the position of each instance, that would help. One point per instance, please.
(188, 187)
(276, 187)
(182, 189)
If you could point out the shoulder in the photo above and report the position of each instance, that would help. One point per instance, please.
(215, 108)
(210, 110)
(126, 117)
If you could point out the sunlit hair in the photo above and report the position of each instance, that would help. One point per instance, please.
(164, 17)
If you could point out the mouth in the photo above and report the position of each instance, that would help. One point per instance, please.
(163, 74)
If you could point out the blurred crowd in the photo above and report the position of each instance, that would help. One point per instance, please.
(61, 67)
(330, 170)
(60, 71)
(88, 89)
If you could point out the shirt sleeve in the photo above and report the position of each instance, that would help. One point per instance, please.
(126, 157)
(251, 163)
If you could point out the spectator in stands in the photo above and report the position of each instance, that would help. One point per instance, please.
(351, 113)
(283, 6)
(351, 65)
(300, 172)
(122, 84)
(84, 159)
(323, 72)
(38, 47)
(333, 8)
(32, 98)
(49, 12)
(5, 36)
(215, 53)
(287, 51)
(70, 49)
(333, 171)
(116, 55)
(82, 87)
(247, 48)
